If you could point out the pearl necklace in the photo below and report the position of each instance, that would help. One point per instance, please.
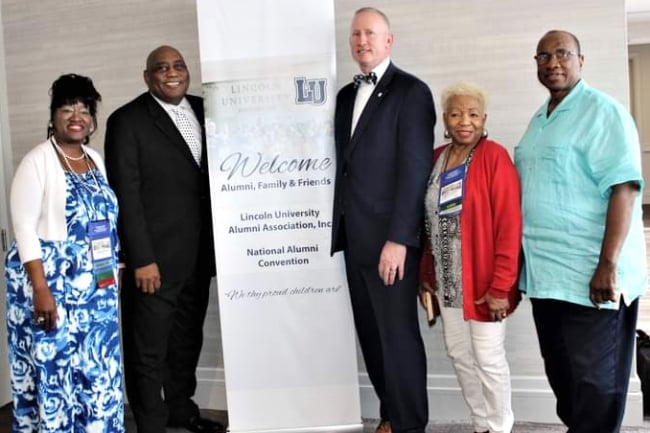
(65, 155)
(90, 187)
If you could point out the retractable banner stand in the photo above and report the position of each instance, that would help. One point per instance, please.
(268, 71)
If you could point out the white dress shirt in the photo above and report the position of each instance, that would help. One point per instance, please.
(365, 91)
(184, 104)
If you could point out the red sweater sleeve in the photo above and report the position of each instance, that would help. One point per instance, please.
(506, 192)
(427, 271)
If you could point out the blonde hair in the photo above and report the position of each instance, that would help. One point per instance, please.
(464, 88)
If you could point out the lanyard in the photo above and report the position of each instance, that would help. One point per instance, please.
(452, 185)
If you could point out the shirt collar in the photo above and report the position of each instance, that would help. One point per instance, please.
(169, 107)
(569, 100)
(380, 69)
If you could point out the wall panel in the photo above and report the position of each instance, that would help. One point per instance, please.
(640, 84)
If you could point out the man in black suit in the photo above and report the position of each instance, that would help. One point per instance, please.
(156, 162)
(384, 142)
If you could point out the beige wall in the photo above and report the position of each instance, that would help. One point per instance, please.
(640, 84)
(441, 41)
(493, 43)
(489, 42)
(5, 168)
(106, 40)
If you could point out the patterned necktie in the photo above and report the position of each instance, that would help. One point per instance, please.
(187, 131)
(371, 78)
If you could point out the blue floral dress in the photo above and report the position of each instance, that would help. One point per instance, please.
(68, 379)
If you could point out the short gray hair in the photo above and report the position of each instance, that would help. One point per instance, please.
(464, 88)
(375, 11)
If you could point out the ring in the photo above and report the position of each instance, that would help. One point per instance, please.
(40, 320)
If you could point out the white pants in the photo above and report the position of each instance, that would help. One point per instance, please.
(478, 354)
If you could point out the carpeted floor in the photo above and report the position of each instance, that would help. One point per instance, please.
(368, 426)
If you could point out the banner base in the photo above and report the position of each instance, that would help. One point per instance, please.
(350, 428)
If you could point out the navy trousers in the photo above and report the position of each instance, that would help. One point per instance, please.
(588, 357)
(386, 320)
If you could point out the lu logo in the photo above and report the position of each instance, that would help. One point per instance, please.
(310, 91)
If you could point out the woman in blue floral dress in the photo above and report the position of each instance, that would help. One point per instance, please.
(61, 275)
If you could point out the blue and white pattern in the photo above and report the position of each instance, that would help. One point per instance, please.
(68, 379)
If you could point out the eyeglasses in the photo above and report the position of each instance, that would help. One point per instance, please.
(560, 55)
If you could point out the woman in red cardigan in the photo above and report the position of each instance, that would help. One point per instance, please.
(471, 258)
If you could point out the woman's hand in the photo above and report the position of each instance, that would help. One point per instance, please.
(45, 314)
(498, 307)
(424, 289)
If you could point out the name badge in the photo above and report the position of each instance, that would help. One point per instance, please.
(101, 251)
(452, 190)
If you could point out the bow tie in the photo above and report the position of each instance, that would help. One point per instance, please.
(371, 78)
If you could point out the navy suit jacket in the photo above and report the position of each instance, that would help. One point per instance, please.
(162, 192)
(382, 170)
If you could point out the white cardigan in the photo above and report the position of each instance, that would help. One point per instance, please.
(38, 196)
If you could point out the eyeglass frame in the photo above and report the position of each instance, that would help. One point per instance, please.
(561, 55)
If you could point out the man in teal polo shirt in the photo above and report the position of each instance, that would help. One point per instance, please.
(584, 250)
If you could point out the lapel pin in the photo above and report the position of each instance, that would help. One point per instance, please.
(380, 94)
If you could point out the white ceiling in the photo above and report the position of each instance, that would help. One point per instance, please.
(635, 6)
(638, 19)
(638, 10)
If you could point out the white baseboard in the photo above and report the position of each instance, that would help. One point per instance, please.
(211, 388)
(532, 399)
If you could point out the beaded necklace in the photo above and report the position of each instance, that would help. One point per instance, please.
(89, 186)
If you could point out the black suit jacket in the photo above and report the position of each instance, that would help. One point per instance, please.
(382, 170)
(162, 192)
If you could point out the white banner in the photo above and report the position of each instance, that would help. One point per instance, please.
(268, 71)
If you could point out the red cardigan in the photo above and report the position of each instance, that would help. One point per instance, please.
(490, 224)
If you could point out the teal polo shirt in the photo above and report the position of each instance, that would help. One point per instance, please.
(568, 163)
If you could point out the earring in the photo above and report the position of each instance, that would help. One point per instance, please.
(446, 134)
(485, 133)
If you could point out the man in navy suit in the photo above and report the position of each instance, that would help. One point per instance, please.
(156, 163)
(384, 142)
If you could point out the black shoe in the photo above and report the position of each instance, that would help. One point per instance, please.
(203, 425)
